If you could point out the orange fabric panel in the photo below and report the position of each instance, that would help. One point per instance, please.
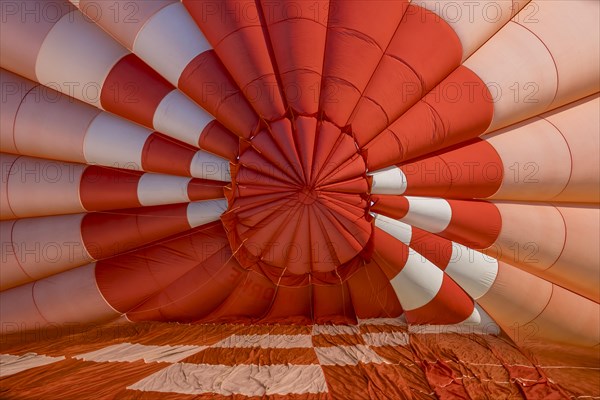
(133, 90)
(208, 83)
(104, 188)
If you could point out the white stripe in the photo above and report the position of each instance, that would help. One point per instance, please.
(203, 212)
(348, 355)
(169, 40)
(115, 142)
(380, 339)
(388, 181)
(208, 166)
(77, 56)
(428, 213)
(399, 230)
(10, 364)
(179, 117)
(473, 271)
(418, 282)
(156, 189)
(129, 352)
(248, 380)
(266, 341)
(335, 330)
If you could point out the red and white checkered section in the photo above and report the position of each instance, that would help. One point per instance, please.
(379, 358)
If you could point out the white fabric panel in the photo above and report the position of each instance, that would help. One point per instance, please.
(399, 230)
(57, 243)
(77, 56)
(179, 117)
(520, 89)
(169, 40)
(428, 213)
(380, 339)
(156, 189)
(115, 142)
(248, 380)
(348, 355)
(38, 186)
(72, 296)
(388, 181)
(333, 330)
(11, 364)
(266, 341)
(418, 282)
(473, 21)
(209, 166)
(203, 212)
(473, 271)
(129, 352)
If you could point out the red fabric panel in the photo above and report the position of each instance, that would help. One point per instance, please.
(434, 248)
(249, 300)
(297, 32)
(406, 71)
(207, 82)
(103, 188)
(362, 28)
(233, 28)
(391, 206)
(372, 294)
(476, 224)
(333, 304)
(473, 170)
(126, 280)
(450, 306)
(390, 253)
(458, 109)
(107, 234)
(133, 90)
(205, 189)
(216, 139)
(291, 304)
(167, 155)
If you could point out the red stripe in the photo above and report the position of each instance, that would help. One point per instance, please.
(390, 253)
(167, 155)
(372, 294)
(134, 90)
(476, 224)
(394, 207)
(107, 234)
(104, 188)
(436, 249)
(216, 139)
